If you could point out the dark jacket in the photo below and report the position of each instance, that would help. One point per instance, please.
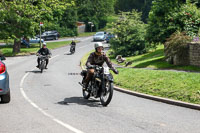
(95, 59)
(44, 51)
(73, 43)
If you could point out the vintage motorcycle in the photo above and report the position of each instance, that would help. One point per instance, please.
(101, 85)
(72, 49)
(42, 62)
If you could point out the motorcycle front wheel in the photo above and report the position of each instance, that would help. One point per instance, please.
(86, 92)
(42, 66)
(107, 94)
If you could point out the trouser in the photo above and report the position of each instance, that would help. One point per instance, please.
(90, 73)
(47, 61)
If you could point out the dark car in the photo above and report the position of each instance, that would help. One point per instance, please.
(50, 35)
(109, 36)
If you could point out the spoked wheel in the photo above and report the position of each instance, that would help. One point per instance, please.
(86, 92)
(42, 66)
(106, 96)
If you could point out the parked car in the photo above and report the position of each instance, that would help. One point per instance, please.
(109, 36)
(27, 42)
(99, 36)
(35, 40)
(4, 82)
(50, 35)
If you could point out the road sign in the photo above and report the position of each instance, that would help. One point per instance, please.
(41, 23)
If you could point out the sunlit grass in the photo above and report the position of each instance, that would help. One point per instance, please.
(7, 49)
(182, 86)
(155, 60)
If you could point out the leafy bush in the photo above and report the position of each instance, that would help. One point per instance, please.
(64, 32)
(166, 17)
(186, 19)
(130, 32)
(176, 45)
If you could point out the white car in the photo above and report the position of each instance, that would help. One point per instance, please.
(99, 36)
(35, 40)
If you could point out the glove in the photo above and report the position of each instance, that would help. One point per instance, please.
(115, 71)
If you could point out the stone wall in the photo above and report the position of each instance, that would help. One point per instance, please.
(194, 54)
(191, 56)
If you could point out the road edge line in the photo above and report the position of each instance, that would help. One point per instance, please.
(67, 126)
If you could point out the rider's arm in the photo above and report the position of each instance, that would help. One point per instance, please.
(89, 60)
(49, 52)
(38, 52)
(109, 63)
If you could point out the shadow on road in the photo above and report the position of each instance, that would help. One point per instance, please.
(80, 101)
(68, 54)
(34, 71)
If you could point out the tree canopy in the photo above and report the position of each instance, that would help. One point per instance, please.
(21, 18)
(130, 32)
(94, 11)
(166, 17)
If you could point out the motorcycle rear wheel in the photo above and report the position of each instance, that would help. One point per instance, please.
(106, 96)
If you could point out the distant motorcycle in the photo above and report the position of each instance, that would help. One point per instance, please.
(101, 85)
(42, 62)
(72, 49)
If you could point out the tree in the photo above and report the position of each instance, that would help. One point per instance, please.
(166, 17)
(130, 32)
(143, 6)
(21, 18)
(94, 11)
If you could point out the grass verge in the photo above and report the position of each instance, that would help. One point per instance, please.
(7, 50)
(155, 60)
(183, 86)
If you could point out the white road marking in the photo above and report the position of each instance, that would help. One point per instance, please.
(84, 46)
(41, 110)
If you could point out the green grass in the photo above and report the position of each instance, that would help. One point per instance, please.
(166, 82)
(7, 50)
(86, 34)
(181, 86)
(155, 60)
(109, 25)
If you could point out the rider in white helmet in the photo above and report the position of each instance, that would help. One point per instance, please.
(97, 58)
(43, 51)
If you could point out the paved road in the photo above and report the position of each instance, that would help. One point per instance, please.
(52, 102)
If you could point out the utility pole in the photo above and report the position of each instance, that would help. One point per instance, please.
(41, 24)
(91, 25)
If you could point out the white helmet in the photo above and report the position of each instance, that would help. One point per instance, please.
(98, 44)
(44, 43)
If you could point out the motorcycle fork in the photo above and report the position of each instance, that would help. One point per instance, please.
(103, 83)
